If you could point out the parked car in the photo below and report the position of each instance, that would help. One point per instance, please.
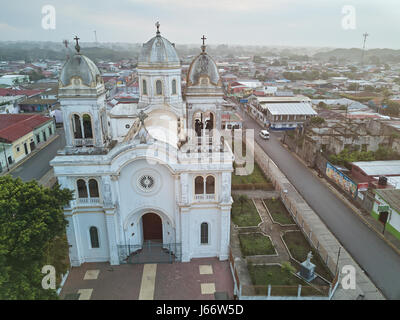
(264, 134)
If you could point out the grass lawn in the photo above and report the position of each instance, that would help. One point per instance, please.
(248, 216)
(253, 244)
(257, 176)
(299, 248)
(282, 282)
(278, 211)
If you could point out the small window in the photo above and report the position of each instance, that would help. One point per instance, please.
(158, 87)
(50, 131)
(87, 126)
(93, 188)
(210, 185)
(76, 126)
(82, 191)
(94, 237)
(174, 86)
(199, 185)
(204, 233)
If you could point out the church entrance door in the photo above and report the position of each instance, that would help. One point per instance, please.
(152, 227)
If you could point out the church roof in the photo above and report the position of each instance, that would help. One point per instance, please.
(158, 52)
(79, 66)
(203, 64)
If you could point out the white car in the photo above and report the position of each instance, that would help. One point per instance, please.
(264, 134)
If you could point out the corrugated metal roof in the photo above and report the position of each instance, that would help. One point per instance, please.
(300, 108)
(379, 168)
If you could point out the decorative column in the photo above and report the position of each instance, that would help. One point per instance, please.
(112, 237)
(110, 216)
(226, 203)
(225, 232)
(185, 234)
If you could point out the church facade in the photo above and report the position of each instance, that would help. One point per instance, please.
(157, 170)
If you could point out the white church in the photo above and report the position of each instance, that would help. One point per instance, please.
(154, 172)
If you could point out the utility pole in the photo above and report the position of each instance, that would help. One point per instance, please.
(95, 36)
(365, 35)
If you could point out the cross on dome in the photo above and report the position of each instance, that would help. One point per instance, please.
(158, 27)
(203, 47)
(77, 47)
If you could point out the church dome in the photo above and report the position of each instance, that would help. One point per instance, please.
(82, 67)
(203, 65)
(158, 52)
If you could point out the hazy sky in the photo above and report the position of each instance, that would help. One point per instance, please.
(253, 22)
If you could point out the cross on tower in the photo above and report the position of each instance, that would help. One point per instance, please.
(77, 47)
(203, 38)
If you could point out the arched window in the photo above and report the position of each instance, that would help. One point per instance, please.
(158, 87)
(76, 126)
(174, 86)
(204, 233)
(82, 190)
(93, 188)
(199, 185)
(210, 185)
(87, 126)
(144, 87)
(94, 237)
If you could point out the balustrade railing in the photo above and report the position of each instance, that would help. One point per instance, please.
(83, 142)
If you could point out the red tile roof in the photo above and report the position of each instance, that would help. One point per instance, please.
(15, 126)
(14, 92)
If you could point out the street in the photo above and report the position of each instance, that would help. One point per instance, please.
(381, 263)
(38, 165)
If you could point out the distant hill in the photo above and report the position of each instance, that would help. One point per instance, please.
(32, 52)
(355, 54)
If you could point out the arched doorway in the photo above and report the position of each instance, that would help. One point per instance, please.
(152, 227)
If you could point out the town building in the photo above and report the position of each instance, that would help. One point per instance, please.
(386, 209)
(145, 173)
(13, 79)
(281, 113)
(21, 134)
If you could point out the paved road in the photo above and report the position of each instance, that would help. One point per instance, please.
(37, 166)
(380, 262)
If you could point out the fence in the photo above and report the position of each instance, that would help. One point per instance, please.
(278, 292)
(150, 252)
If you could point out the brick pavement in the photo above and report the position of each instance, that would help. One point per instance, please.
(176, 281)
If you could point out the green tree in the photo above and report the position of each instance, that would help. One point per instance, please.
(31, 221)
(317, 120)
